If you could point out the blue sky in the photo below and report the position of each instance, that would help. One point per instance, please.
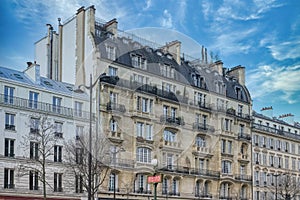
(262, 35)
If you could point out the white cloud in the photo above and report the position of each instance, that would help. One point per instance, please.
(267, 80)
(285, 50)
(166, 20)
(148, 5)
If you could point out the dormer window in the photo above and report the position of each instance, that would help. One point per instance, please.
(167, 71)
(111, 52)
(220, 87)
(239, 93)
(198, 81)
(159, 53)
(139, 62)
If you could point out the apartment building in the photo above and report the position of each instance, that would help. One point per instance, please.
(192, 116)
(276, 156)
(29, 101)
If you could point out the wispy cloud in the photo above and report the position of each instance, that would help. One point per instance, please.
(148, 5)
(284, 81)
(286, 50)
(166, 20)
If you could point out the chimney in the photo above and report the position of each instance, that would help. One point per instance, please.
(218, 66)
(173, 48)
(267, 111)
(205, 56)
(239, 73)
(112, 26)
(202, 54)
(288, 118)
(33, 72)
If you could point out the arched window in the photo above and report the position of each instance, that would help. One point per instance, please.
(113, 182)
(243, 192)
(165, 186)
(206, 188)
(225, 190)
(143, 154)
(200, 141)
(198, 189)
(175, 186)
(169, 136)
(141, 185)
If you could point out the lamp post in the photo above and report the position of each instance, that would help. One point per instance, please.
(276, 176)
(78, 90)
(154, 162)
(114, 160)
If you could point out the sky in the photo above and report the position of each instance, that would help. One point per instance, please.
(261, 35)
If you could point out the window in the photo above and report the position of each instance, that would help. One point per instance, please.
(242, 128)
(112, 71)
(139, 62)
(225, 190)
(78, 184)
(200, 141)
(56, 104)
(9, 150)
(165, 186)
(34, 125)
(198, 81)
(141, 185)
(199, 99)
(57, 153)
(169, 136)
(33, 99)
(175, 187)
(243, 192)
(293, 148)
(9, 94)
(10, 121)
(79, 132)
(227, 123)
(113, 125)
(58, 129)
(271, 160)
(111, 52)
(79, 155)
(144, 130)
(113, 97)
(144, 104)
(33, 180)
(9, 178)
(169, 160)
(58, 182)
(78, 109)
(229, 147)
(140, 79)
(167, 87)
(240, 110)
(143, 155)
(34, 150)
(293, 163)
(167, 71)
(222, 104)
(223, 146)
(113, 179)
(286, 162)
(226, 167)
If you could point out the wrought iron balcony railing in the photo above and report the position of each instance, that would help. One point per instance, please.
(191, 171)
(115, 107)
(275, 131)
(172, 120)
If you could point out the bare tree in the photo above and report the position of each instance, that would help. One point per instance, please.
(288, 186)
(40, 141)
(77, 156)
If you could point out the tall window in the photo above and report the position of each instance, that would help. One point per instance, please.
(112, 71)
(165, 186)
(57, 153)
(141, 185)
(58, 129)
(111, 52)
(9, 150)
(144, 130)
(143, 154)
(226, 167)
(200, 141)
(225, 190)
(33, 99)
(227, 124)
(34, 150)
(78, 109)
(169, 136)
(144, 104)
(113, 125)
(226, 146)
(175, 186)
(57, 182)
(34, 125)
(9, 178)
(113, 179)
(10, 121)
(33, 180)
(79, 155)
(9, 94)
(56, 104)
(199, 99)
(167, 71)
(139, 62)
(140, 79)
(79, 132)
(113, 97)
(78, 184)
(240, 110)
(167, 87)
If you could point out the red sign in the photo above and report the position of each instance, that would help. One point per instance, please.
(155, 179)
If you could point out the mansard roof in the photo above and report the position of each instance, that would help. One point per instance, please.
(126, 48)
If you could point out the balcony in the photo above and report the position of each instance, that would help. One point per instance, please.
(34, 131)
(169, 144)
(172, 120)
(122, 163)
(242, 177)
(10, 127)
(202, 127)
(190, 171)
(165, 192)
(231, 111)
(275, 131)
(197, 150)
(47, 108)
(226, 198)
(244, 136)
(142, 191)
(111, 189)
(204, 196)
(110, 106)
(243, 158)
(58, 134)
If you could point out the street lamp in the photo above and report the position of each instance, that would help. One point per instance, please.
(154, 162)
(78, 90)
(276, 176)
(114, 160)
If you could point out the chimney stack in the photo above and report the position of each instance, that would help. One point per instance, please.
(173, 48)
